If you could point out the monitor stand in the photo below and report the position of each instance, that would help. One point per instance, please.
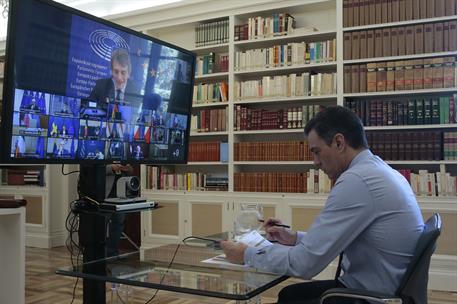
(92, 230)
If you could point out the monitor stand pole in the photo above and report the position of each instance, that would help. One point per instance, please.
(92, 231)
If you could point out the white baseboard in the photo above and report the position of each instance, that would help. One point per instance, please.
(42, 240)
(443, 273)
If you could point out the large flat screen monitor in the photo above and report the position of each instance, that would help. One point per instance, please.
(81, 89)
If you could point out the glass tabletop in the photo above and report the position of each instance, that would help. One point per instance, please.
(184, 273)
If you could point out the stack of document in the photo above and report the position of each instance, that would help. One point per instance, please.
(253, 239)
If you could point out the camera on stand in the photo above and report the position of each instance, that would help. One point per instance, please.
(128, 187)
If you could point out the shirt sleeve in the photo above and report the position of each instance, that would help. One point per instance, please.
(347, 212)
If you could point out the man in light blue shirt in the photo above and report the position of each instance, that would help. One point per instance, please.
(371, 215)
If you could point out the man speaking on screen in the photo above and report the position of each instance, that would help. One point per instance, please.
(119, 88)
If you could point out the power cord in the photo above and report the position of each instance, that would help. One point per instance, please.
(71, 172)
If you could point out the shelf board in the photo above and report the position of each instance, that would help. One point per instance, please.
(23, 188)
(400, 23)
(273, 163)
(211, 48)
(405, 92)
(421, 162)
(405, 57)
(286, 99)
(212, 75)
(202, 163)
(408, 127)
(292, 36)
(181, 192)
(331, 64)
(208, 133)
(210, 104)
(309, 198)
(273, 131)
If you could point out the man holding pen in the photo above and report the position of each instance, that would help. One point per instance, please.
(371, 215)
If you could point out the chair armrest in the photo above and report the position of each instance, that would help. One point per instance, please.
(360, 294)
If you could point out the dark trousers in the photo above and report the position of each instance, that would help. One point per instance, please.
(308, 292)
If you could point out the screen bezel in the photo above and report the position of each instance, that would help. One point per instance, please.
(8, 92)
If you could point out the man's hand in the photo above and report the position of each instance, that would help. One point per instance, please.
(279, 234)
(121, 168)
(234, 251)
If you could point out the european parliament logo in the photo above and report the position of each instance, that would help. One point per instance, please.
(103, 42)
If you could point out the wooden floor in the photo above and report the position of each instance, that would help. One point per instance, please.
(43, 286)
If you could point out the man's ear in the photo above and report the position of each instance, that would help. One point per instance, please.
(339, 141)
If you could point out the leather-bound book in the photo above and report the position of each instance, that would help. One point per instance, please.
(381, 76)
(363, 78)
(370, 44)
(419, 39)
(378, 43)
(371, 77)
(347, 44)
(399, 75)
(347, 79)
(355, 45)
(393, 42)
(409, 74)
(418, 74)
(363, 44)
(395, 12)
(409, 43)
(428, 38)
(438, 37)
(355, 82)
(401, 38)
(390, 76)
(438, 75)
(386, 43)
(428, 73)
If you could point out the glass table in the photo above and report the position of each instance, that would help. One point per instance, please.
(179, 268)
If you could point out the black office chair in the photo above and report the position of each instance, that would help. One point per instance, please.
(413, 287)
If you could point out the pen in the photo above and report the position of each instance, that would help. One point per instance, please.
(277, 225)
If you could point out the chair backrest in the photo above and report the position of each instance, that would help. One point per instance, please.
(413, 288)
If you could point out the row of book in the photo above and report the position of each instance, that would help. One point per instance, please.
(291, 85)
(404, 40)
(313, 181)
(210, 33)
(22, 176)
(426, 183)
(294, 53)
(401, 75)
(450, 145)
(272, 151)
(411, 145)
(162, 178)
(211, 63)
(365, 12)
(208, 151)
(423, 111)
(210, 92)
(246, 118)
(265, 27)
(209, 120)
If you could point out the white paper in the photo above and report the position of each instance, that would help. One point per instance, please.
(253, 239)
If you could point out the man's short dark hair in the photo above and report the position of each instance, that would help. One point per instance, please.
(338, 119)
(122, 57)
